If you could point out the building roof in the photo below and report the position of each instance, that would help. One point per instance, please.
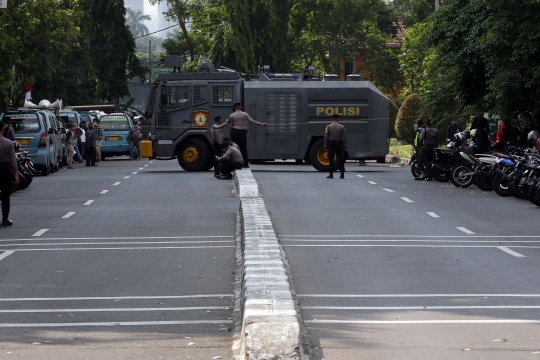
(397, 41)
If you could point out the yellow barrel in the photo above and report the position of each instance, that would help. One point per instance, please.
(146, 149)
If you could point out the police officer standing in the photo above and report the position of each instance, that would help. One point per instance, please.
(8, 169)
(429, 139)
(9, 133)
(238, 122)
(335, 142)
(418, 129)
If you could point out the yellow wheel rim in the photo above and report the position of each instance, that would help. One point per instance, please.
(191, 155)
(322, 156)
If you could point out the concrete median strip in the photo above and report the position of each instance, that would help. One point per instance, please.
(270, 323)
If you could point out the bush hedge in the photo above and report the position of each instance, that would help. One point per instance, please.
(410, 110)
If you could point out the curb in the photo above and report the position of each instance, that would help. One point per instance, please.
(270, 326)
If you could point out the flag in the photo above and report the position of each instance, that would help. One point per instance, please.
(28, 92)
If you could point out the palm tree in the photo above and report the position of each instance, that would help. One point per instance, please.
(135, 22)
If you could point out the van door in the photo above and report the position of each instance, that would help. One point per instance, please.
(282, 140)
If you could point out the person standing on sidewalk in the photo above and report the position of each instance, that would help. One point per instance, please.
(71, 142)
(217, 139)
(238, 121)
(335, 142)
(8, 170)
(134, 138)
(98, 134)
(90, 146)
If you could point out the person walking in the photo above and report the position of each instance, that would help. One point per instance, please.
(134, 138)
(335, 142)
(238, 123)
(90, 146)
(82, 137)
(429, 139)
(98, 134)
(217, 139)
(453, 129)
(9, 133)
(418, 129)
(231, 160)
(71, 142)
(8, 170)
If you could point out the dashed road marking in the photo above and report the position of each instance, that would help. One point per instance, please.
(360, 175)
(407, 199)
(432, 214)
(151, 162)
(104, 192)
(41, 232)
(68, 215)
(145, 165)
(6, 254)
(134, 172)
(385, 189)
(141, 168)
(372, 182)
(126, 177)
(511, 252)
(88, 202)
(117, 183)
(466, 231)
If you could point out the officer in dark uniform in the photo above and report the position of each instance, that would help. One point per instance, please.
(8, 170)
(238, 122)
(429, 140)
(335, 142)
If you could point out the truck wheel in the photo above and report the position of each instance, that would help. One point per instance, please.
(381, 160)
(193, 155)
(210, 163)
(318, 156)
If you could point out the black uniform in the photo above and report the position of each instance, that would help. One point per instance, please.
(8, 169)
(335, 140)
(430, 139)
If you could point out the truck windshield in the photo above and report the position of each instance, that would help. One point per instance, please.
(114, 123)
(25, 123)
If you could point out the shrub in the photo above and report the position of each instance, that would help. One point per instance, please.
(392, 114)
(410, 110)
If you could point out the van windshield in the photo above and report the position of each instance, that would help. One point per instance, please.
(114, 123)
(86, 118)
(25, 123)
(67, 118)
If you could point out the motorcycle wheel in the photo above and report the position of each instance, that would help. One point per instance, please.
(518, 189)
(500, 187)
(415, 170)
(440, 176)
(534, 193)
(482, 182)
(457, 177)
(29, 178)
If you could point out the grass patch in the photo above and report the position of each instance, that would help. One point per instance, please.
(403, 151)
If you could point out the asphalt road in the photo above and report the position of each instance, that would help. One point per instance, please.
(386, 267)
(127, 260)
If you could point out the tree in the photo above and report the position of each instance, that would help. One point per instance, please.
(393, 111)
(411, 12)
(113, 56)
(134, 20)
(410, 110)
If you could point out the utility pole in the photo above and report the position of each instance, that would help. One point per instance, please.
(149, 66)
(436, 5)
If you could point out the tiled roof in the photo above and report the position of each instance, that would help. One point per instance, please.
(397, 41)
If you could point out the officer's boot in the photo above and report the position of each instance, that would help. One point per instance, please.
(331, 176)
(6, 222)
(342, 176)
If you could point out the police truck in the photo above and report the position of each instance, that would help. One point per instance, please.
(182, 106)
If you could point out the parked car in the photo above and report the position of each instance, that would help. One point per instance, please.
(115, 133)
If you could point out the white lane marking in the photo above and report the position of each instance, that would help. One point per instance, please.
(117, 183)
(5, 254)
(113, 310)
(420, 246)
(124, 238)
(134, 172)
(131, 248)
(511, 252)
(360, 175)
(121, 323)
(68, 215)
(407, 199)
(413, 295)
(41, 232)
(104, 192)
(141, 168)
(124, 243)
(126, 177)
(385, 189)
(120, 297)
(372, 182)
(502, 321)
(419, 236)
(88, 202)
(151, 162)
(399, 307)
(414, 240)
(145, 165)
(466, 231)
(432, 214)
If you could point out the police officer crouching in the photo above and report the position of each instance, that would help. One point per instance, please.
(8, 170)
(335, 142)
(231, 160)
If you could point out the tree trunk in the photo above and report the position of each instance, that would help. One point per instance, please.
(117, 104)
(189, 43)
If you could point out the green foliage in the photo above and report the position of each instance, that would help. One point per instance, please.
(392, 114)
(412, 11)
(134, 20)
(410, 110)
(416, 58)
